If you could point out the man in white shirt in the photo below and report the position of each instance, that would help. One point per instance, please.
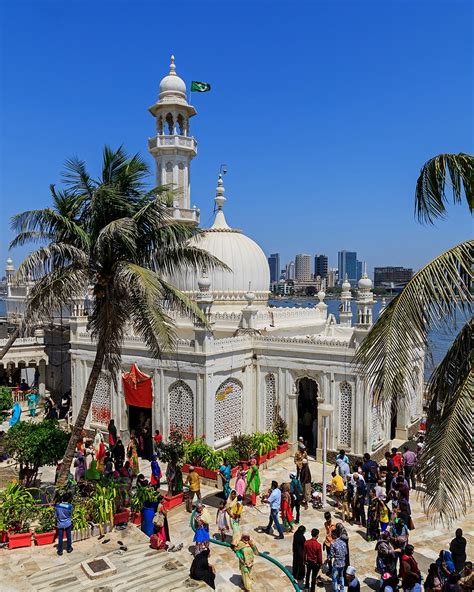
(274, 499)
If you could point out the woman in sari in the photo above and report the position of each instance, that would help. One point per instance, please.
(32, 402)
(155, 472)
(80, 471)
(201, 533)
(245, 551)
(226, 474)
(299, 540)
(99, 448)
(253, 482)
(160, 522)
(112, 433)
(373, 512)
(285, 508)
(132, 456)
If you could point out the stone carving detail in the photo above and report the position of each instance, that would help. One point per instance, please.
(100, 408)
(228, 409)
(345, 414)
(181, 400)
(270, 401)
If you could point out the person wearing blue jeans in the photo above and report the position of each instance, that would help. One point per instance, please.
(63, 512)
(274, 499)
(338, 554)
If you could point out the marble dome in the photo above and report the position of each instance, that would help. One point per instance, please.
(249, 265)
(172, 85)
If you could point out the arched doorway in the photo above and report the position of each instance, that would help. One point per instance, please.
(308, 413)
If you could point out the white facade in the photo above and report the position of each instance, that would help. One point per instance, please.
(229, 378)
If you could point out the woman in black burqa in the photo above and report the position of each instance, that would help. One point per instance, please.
(298, 553)
(202, 570)
(458, 550)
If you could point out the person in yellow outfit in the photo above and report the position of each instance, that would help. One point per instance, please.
(193, 481)
(337, 487)
(245, 551)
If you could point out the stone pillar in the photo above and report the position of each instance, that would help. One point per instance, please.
(209, 408)
(42, 378)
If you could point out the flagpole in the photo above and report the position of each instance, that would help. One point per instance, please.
(190, 93)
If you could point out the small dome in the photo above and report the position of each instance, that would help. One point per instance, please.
(9, 266)
(365, 283)
(346, 285)
(172, 84)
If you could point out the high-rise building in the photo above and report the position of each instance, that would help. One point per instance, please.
(332, 278)
(360, 269)
(303, 267)
(391, 275)
(274, 264)
(347, 264)
(320, 266)
(290, 270)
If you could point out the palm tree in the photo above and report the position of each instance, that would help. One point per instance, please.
(120, 246)
(432, 298)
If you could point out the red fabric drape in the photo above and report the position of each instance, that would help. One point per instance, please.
(137, 388)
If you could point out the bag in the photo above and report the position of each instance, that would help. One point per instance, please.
(159, 520)
(411, 524)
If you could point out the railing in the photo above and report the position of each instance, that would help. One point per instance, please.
(24, 341)
(172, 141)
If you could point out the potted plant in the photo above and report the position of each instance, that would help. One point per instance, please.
(104, 505)
(172, 453)
(195, 453)
(280, 429)
(16, 510)
(272, 443)
(81, 528)
(244, 445)
(45, 531)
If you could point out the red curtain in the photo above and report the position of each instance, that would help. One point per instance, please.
(137, 388)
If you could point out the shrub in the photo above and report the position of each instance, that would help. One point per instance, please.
(280, 427)
(244, 445)
(6, 400)
(47, 520)
(34, 445)
(17, 508)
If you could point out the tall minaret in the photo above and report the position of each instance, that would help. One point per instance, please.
(345, 313)
(172, 147)
(365, 302)
(9, 274)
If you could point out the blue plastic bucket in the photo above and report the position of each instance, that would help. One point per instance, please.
(148, 513)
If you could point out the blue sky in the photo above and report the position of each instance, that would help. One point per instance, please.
(323, 111)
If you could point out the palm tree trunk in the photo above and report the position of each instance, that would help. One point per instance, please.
(9, 343)
(82, 415)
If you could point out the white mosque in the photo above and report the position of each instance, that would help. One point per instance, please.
(231, 376)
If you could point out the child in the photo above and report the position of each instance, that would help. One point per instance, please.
(221, 520)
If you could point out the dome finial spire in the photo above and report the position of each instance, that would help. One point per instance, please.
(220, 190)
(172, 67)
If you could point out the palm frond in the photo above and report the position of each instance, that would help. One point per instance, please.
(430, 193)
(77, 179)
(30, 236)
(446, 460)
(119, 235)
(50, 258)
(388, 353)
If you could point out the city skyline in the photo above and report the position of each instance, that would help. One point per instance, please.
(286, 170)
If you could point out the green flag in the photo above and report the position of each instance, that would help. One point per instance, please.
(200, 86)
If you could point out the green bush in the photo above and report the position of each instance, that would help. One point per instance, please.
(196, 452)
(231, 455)
(244, 445)
(34, 445)
(280, 427)
(17, 508)
(46, 520)
(6, 399)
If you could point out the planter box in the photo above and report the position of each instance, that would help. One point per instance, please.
(15, 541)
(3, 536)
(261, 459)
(234, 471)
(271, 453)
(281, 448)
(209, 473)
(102, 528)
(121, 517)
(136, 518)
(172, 501)
(81, 534)
(45, 538)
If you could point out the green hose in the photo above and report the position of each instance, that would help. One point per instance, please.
(287, 573)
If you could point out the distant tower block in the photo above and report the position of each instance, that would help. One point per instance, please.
(172, 147)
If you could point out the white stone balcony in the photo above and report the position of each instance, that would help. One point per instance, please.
(174, 141)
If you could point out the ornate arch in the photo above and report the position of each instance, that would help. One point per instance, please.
(228, 409)
(345, 413)
(181, 406)
(270, 400)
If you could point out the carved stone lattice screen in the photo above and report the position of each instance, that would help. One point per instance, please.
(228, 409)
(101, 400)
(181, 400)
(377, 425)
(270, 400)
(345, 414)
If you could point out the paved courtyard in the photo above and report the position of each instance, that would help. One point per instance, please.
(142, 569)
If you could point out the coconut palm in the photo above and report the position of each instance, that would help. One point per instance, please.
(119, 247)
(432, 298)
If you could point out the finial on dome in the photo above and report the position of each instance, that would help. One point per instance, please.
(321, 295)
(220, 190)
(172, 67)
(204, 283)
